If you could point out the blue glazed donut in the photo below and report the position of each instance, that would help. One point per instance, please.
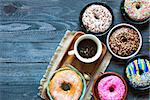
(138, 73)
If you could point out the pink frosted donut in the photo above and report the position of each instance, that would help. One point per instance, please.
(111, 88)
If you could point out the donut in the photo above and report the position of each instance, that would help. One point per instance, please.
(96, 18)
(111, 88)
(138, 10)
(66, 85)
(138, 73)
(124, 41)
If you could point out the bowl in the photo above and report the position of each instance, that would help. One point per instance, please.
(128, 19)
(141, 89)
(83, 28)
(68, 67)
(95, 90)
(117, 27)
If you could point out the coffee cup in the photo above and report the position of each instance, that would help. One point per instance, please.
(87, 48)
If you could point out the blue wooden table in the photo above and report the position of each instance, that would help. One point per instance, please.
(30, 31)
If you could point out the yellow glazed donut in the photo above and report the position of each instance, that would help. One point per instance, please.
(66, 85)
(137, 10)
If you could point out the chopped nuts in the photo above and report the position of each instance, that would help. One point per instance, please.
(124, 41)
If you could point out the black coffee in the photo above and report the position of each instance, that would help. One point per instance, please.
(87, 48)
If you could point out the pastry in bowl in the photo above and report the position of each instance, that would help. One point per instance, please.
(138, 72)
(109, 86)
(124, 41)
(96, 18)
(136, 11)
(67, 84)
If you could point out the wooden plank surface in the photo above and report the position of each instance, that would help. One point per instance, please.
(19, 81)
(26, 52)
(30, 31)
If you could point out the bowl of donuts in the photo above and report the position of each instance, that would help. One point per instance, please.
(124, 41)
(109, 86)
(135, 11)
(137, 73)
(67, 83)
(96, 18)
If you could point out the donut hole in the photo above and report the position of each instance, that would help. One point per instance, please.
(112, 88)
(96, 17)
(138, 6)
(123, 39)
(65, 86)
(141, 72)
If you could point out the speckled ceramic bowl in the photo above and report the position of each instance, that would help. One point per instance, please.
(69, 67)
(83, 27)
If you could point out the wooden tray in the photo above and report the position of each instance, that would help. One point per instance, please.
(89, 69)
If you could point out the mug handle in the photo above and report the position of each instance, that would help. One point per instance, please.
(71, 52)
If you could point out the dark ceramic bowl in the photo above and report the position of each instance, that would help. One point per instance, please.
(142, 89)
(83, 28)
(95, 90)
(128, 19)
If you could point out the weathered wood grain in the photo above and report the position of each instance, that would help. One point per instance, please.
(21, 73)
(49, 9)
(34, 31)
(56, 25)
(19, 81)
(35, 10)
(30, 31)
(26, 52)
(19, 92)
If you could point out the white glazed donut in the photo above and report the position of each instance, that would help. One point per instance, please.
(97, 18)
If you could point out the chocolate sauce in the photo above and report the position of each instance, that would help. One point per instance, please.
(87, 48)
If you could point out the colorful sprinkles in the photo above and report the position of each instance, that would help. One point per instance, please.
(138, 10)
(138, 73)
